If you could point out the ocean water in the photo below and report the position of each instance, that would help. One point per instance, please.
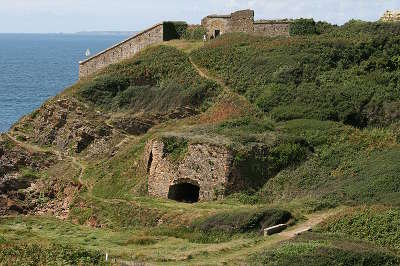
(35, 67)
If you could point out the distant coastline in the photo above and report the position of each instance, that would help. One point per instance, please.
(80, 33)
(106, 33)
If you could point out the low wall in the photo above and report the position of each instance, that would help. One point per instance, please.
(122, 50)
(272, 29)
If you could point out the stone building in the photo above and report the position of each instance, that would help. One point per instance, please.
(204, 173)
(391, 16)
(122, 50)
(243, 21)
(240, 21)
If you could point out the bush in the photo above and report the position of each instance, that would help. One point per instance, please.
(319, 250)
(302, 27)
(33, 254)
(175, 148)
(194, 33)
(379, 225)
(242, 221)
(158, 80)
(174, 30)
(352, 79)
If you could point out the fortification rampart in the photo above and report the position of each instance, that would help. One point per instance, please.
(391, 16)
(243, 21)
(122, 50)
(240, 21)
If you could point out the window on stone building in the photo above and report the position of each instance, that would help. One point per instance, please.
(217, 33)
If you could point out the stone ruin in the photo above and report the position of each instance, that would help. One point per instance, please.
(202, 175)
(206, 172)
(243, 21)
(391, 16)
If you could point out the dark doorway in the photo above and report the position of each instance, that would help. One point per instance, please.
(149, 162)
(184, 192)
(217, 33)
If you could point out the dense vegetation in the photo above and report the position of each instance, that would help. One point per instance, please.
(312, 122)
(353, 79)
(146, 84)
(380, 225)
(320, 250)
(33, 254)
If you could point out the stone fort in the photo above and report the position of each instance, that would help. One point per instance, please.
(240, 21)
(391, 16)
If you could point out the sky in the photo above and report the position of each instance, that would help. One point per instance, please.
(53, 16)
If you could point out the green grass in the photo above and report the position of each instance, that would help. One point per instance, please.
(317, 249)
(158, 80)
(377, 224)
(340, 169)
(326, 77)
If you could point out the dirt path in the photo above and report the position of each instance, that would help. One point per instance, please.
(236, 254)
(35, 149)
(204, 73)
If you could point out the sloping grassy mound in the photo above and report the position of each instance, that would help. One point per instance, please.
(226, 225)
(348, 165)
(243, 221)
(319, 250)
(327, 77)
(380, 225)
(33, 254)
(159, 79)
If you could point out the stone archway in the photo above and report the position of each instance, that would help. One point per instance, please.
(184, 192)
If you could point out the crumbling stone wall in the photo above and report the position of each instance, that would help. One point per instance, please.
(243, 21)
(272, 28)
(204, 165)
(213, 23)
(121, 51)
(391, 16)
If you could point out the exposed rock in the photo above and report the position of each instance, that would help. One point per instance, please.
(67, 124)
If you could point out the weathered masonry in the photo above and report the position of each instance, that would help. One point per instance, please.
(202, 175)
(391, 16)
(240, 21)
(243, 21)
(204, 172)
(123, 50)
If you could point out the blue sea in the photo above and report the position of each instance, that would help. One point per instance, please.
(35, 67)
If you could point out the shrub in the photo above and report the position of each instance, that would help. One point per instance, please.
(33, 254)
(320, 250)
(174, 30)
(302, 27)
(379, 225)
(194, 33)
(157, 80)
(175, 148)
(242, 221)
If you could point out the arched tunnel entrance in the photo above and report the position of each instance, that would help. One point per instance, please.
(184, 192)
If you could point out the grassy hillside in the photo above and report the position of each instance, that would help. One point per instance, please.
(344, 76)
(158, 80)
(312, 123)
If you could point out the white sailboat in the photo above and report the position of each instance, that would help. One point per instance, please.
(88, 53)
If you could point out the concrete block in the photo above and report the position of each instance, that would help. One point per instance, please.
(274, 229)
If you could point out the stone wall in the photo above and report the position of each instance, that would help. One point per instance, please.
(391, 16)
(272, 29)
(213, 23)
(204, 165)
(121, 51)
(243, 21)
